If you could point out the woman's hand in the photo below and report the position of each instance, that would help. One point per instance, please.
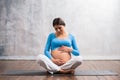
(58, 61)
(65, 49)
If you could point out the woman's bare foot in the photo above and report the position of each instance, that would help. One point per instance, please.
(67, 71)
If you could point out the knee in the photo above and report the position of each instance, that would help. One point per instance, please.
(78, 59)
(40, 58)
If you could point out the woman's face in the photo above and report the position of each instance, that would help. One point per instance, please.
(59, 28)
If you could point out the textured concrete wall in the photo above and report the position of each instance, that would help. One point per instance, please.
(25, 25)
(21, 27)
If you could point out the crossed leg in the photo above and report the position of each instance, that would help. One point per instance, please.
(68, 67)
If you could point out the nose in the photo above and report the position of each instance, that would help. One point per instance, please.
(58, 30)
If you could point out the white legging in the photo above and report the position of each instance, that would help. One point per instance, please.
(51, 67)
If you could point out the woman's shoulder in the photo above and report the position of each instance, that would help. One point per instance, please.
(52, 35)
(71, 35)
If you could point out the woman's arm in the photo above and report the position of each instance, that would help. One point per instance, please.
(47, 47)
(75, 50)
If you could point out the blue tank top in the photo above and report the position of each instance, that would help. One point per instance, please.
(53, 43)
(57, 42)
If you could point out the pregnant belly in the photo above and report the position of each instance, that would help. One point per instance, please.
(61, 55)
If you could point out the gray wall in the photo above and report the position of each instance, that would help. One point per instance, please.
(25, 25)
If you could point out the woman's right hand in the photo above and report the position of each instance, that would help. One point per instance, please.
(58, 61)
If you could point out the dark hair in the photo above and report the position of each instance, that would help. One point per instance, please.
(58, 21)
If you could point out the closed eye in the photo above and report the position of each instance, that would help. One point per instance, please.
(57, 28)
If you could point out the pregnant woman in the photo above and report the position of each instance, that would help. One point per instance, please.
(61, 54)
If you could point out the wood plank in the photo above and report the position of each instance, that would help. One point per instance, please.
(87, 65)
(105, 65)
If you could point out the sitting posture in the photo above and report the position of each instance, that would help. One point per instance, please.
(61, 53)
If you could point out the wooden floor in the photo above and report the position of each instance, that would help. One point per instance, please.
(87, 65)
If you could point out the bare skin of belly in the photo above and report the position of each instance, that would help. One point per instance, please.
(65, 56)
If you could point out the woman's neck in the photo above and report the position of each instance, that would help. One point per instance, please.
(64, 34)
